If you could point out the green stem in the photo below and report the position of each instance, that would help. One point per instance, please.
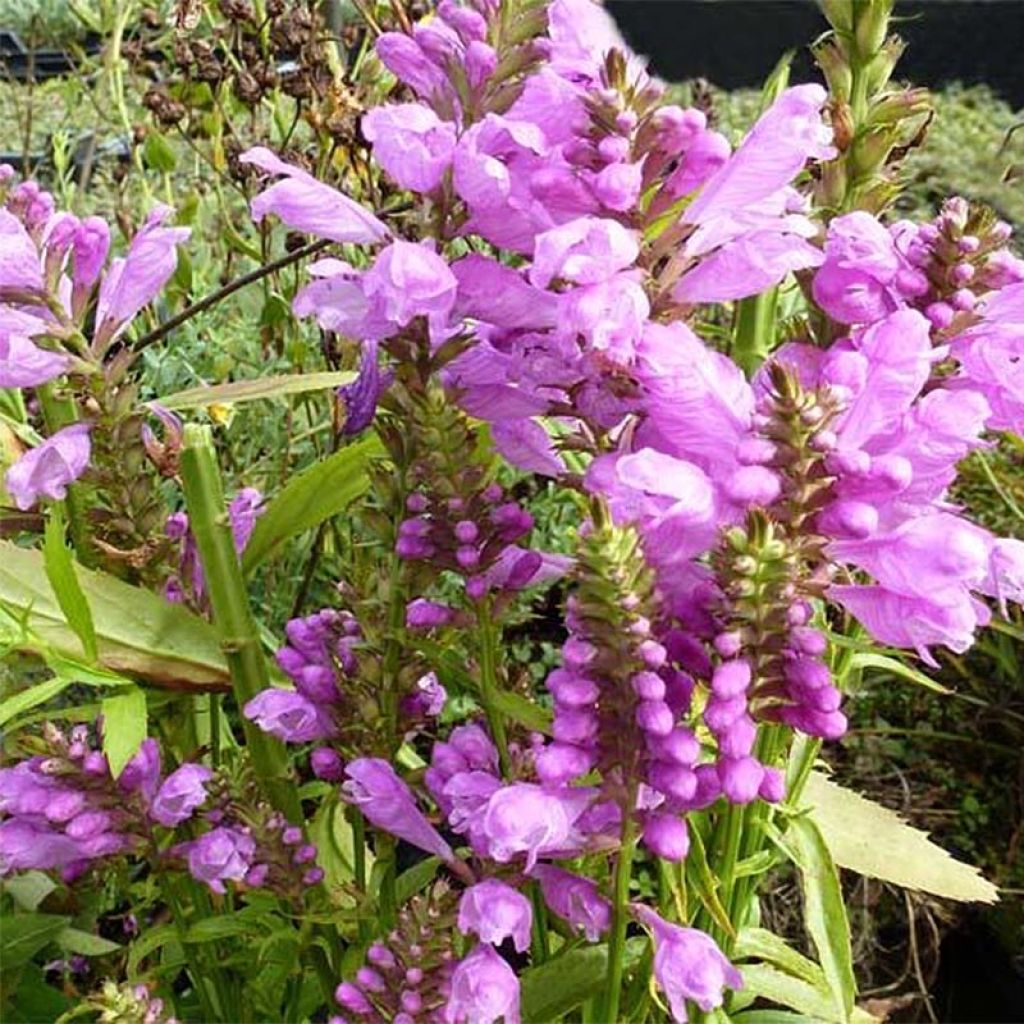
(754, 330)
(488, 636)
(770, 741)
(620, 918)
(232, 615)
(196, 955)
(358, 823)
(731, 831)
(540, 949)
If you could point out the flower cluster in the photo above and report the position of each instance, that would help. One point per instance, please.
(55, 281)
(62, 807)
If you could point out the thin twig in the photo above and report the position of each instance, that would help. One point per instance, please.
(229, 289)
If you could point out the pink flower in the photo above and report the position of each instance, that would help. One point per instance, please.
(133, 280)
(308, 205)
(21, 273)
(409, 280)
(46, 471)
(495, 911)
(25, 365)
(219, 855)
(688, 965)
(484, 989)
(575, 899)
(524, 818)
(388, 803)
(289, 716)
(180, 794)
(411, 143)
(585, 251)
(788, 134)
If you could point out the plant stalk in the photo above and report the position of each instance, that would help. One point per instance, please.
(489, 683)
(620, 918)
(232, 616)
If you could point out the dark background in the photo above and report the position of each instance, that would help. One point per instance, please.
(735, 43)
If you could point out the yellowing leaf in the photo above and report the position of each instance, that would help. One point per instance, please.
(872, 840)
(138, 633)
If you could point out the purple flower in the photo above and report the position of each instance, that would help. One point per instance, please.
(427, 699)
(26, 846)
(495, 912)
(21, 275)
(46, 471)
(409, 280)
(133, 280)
(180, 794)
(575, 899)
(243, 511)
(90, 247)
(666, 836)
(25, 365)
(775, 150)
(360, 398)
(219, 855)
(859, 281)
(406, 59)
(497, 294)
(688, 965)
(289, 716)
(327, 764)
(484, 989)
(525, 818)
(423, 614)
(142, 773)
(584, 251)
(308, 205)
(411, 143)
(388, 803)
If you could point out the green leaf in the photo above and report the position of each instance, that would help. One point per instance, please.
(74, 940)
(60, 571)
(893, 666)
(252, 390)
(28, 890)
(34, 1000)
(772, 1017)
(777, 81)
(137, 631)
(325, 489)
(872, 840)
(562, 983)
(331, 832)
(214, 928)
(17, 703)
(760, 944)
(418, 877)
(71, 670)
(703, 882)
(778, 987)
(158, 153)
(124, 727)
(24, 935)
(524, 712)
(824, 910)
(147, 943)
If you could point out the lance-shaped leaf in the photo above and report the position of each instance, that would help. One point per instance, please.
(873, 840)
(138, 633)
(562, 983)
(253, 390)
(316, 494)
(824, 911)
(124, 727)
